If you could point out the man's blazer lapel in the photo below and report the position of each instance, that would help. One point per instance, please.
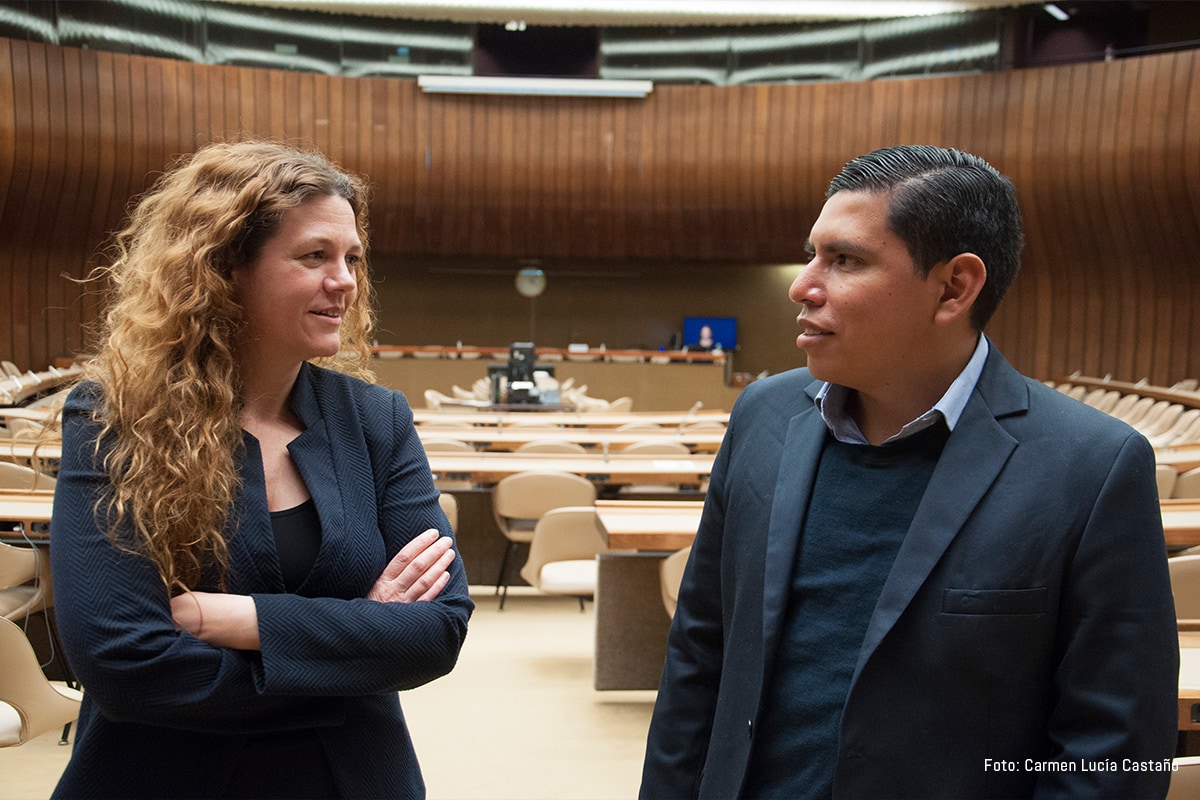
(973, 457)
(793, 488)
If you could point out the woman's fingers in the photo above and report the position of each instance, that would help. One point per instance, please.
(418, 571)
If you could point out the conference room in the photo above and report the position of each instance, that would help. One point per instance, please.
(583, 221)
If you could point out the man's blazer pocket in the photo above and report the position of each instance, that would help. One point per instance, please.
(994, 601)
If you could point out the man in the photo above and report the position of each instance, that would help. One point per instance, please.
(918, 573)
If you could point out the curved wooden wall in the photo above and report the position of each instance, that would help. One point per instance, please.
(1106, 159)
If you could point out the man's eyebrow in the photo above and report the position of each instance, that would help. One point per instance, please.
(838, 246)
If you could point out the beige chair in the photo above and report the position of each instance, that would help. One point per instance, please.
(621, 405)
(1160, 417)
(434, 399)
(520, 500)
(449, 504)
(1136, 412)
(552, 446)
(1185, 584)
(1189, 435)
(640, 425)
(658, 447)
(1187, 485)
(29, 704)
(10, 369)
(703, 425)
(17, 476)
(25, 429)
(1107, 401)
(435, 444)
(1185, 780)
(670, 575)
(654, 447)
(1166, 475)
(24, 580)
(1181, 425)
(562, 553)
(1123, 404)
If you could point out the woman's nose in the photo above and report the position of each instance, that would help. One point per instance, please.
(341, 279)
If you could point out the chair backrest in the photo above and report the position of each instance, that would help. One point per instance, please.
(640, 425)
(1181, 424)
(1166, 475)
(670, 574)
(17, 476)
(10, 368)
(528, 495)
(621, 405)
(658, 447)
(1138, 410)
(449, 504)
(1185, 780)
(552, 446)
(39, 706)
(18, 565)
(703, 425)
(1185, 584)
(436, 445)
(1123, 404)
(1187, 485)
(570, 533)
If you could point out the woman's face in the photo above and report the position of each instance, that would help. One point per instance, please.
(296, 293)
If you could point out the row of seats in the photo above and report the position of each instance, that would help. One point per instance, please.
(568, 393)
(18, 387)
(1164, 422)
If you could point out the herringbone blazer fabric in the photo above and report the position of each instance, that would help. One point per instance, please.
(166, 715)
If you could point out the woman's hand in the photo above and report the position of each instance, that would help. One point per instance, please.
(222, 620)
(418, 572)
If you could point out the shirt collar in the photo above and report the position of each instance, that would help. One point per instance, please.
(831, 402)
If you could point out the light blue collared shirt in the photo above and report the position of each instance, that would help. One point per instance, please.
(831, 402)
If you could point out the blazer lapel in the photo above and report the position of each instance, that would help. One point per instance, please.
(253, 560)
(314, 458)
(793, 488)
(973, 457)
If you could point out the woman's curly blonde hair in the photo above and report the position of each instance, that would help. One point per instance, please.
(168, 361)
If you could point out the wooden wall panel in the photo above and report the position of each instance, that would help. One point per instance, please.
(1105, 158)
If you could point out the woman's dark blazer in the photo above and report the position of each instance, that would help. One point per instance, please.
(166, 715)
(1027, 620)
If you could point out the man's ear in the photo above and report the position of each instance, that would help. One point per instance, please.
(961, 278)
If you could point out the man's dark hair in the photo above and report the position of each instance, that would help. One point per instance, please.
(944, 202)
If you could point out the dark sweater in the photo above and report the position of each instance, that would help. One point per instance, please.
(863, 501)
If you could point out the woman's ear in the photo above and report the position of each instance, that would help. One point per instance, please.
(962, 279)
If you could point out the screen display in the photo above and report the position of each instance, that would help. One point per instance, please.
(721, 330)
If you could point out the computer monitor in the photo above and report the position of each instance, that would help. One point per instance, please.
(521, 357)
(721, 330)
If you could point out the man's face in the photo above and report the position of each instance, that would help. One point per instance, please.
(865, 311)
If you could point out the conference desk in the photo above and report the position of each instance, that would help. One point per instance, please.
(27, 508)
(631, 621)
(589, 419)
(489, 468)
(512, 437)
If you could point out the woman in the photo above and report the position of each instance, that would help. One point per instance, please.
(246, 556)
